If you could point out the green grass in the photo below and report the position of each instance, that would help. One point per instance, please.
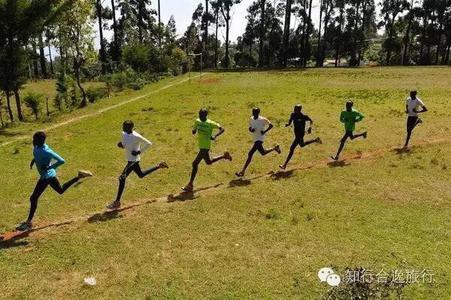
(266, 239)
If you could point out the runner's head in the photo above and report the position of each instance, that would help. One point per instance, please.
(349, 105)
(128, 126)
(39, 138)
(413, 94)
(203, 113)
(255, 112)
(297, 109)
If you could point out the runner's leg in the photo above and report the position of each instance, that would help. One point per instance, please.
(142, 174)
(342, 142)
(127, 170)
(210, 161)
(262, 150)
(55, 184)
(290, 154)
(196, 163)
(411, 123)
(41, 185)
(249, 158)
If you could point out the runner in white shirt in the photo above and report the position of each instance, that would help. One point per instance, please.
(258, 126)
(134, 145)
(413, 104)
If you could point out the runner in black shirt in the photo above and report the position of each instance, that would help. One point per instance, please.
(299, 120)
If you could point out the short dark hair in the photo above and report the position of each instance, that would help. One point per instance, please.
(203, 110)
(128, 123)
(349, 102)
(414, 92)
(255, 110)
(39, 138)
(298, 107)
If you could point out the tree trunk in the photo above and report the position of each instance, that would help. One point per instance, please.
(318, 56)
(404, 57)
(115, 53)
(423, 38)
(52, 71)
(326, 23)
(390, 37)
(216, 38)
(8, 105)
(286, 33)
(439, 41)
(446, 60)
(307, 35)
(205, 38)
(77, 66)
(159, 23)
(262, 32)
(337, 44)
(18, 105)
(35, 62)
(227, 39)
(42, 59)
(102, 42)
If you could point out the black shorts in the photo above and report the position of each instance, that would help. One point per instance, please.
(348, 134)
(411, 122)
(258, 146)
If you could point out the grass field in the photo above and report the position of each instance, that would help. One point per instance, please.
(264, 237)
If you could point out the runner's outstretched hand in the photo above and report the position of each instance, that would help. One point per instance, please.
(135, 153)
(120, 145)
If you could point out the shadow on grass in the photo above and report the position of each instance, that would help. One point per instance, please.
(104, 217)
(282, 174)
(12, 244)
(5, 133)
(239, 182)
(338, 164)
(186, 196)
(401, 151)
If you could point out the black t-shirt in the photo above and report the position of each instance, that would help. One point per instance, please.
(299, 121)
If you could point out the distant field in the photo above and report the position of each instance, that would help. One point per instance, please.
(264, 237)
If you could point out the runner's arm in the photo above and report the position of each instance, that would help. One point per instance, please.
(59, 160)
(423, 107)
(270, 126)
(289, 121)
(309, 130)
(145, 144)
(221, 131)
(31, 163)
(360, 117)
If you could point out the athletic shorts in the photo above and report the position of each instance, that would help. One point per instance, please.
(258, 146)
(411, 122)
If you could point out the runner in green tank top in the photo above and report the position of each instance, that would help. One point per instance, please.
(204, 129)
(349, 117)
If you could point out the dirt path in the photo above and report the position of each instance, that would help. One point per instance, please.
(107, 215)
(101, 111)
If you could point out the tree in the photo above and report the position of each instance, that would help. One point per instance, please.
(20, 20)
(390, 10)
(225, 7)
(75, 36)
(34, 102)
(286, 32)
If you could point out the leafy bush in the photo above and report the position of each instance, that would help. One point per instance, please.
(129, 79)
(94, 94)
(34, 102)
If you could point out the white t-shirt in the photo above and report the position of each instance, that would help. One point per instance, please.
(258, 125)
(134, 142)
(412, 105)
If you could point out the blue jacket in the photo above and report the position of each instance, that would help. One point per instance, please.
(43, 157)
